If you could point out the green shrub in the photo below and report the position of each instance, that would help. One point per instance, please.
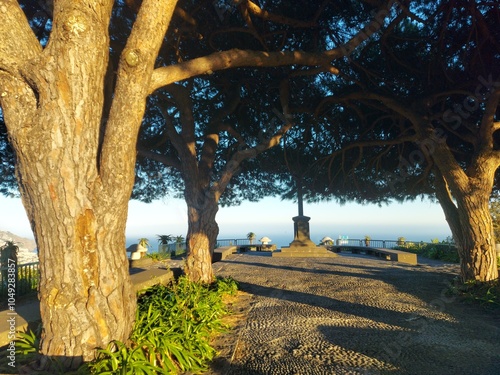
(437, 251)
(178, 251)
(171, 333)
(486, 294)
(27, 342)
(172, 330)
(226, 285)
(120, 359)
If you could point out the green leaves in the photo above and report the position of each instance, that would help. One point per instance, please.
(442, 251)
(172, 330)
(124, 360)
(27, 342)
(486, 294)
(171, 333)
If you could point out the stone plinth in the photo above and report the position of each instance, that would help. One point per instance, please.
(301, 237)
(302, 246)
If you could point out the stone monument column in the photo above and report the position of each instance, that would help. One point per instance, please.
(301, 232)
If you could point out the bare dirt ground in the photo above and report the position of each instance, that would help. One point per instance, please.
(352, 314)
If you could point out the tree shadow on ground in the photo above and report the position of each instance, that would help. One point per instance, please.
(402, 277)
(428, 349)
(379, 314)
(222, 366)
(423, 324)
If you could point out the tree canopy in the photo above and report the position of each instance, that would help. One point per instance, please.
(416, 112)
(433, 63)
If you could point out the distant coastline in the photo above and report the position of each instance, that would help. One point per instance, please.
(27, 247)
(27, 244)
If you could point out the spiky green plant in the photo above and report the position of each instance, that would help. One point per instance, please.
(172, 330)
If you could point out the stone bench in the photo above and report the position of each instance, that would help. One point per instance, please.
(394, 255)
(351, 248)
(223, 252)
(270, 247)
(388, 254)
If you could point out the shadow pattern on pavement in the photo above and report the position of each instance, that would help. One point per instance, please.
(357, 315)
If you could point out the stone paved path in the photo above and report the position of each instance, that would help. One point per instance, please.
(354, 315)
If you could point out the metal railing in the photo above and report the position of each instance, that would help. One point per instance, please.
(235, 242)
(182, 247)
(390, 244)
(28, 276)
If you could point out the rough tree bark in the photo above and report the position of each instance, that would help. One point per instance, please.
(75, 186)
(201, 236)
(465, 202)
(464, 192)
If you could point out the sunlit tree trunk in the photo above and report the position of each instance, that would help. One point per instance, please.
(75, 181)
(201, 237)
(86, 298)
(475, 241)
(471, 225)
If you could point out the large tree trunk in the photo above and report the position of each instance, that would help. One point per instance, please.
(201, 237)
(469, 218)
(463, 192)
(86, 298)
(475, 240)
(75, 181)
(78, 218)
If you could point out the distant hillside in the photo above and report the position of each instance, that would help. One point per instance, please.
(25, 244)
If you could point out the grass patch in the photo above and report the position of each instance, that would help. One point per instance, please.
(159, 256)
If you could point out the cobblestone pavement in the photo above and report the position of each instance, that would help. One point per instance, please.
(353, 314)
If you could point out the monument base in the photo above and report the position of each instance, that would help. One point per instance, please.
(302, 246)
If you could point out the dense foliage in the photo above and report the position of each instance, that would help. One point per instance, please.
(441, 251)
(171, 332)
(442, 62)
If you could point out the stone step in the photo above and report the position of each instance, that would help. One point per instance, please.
(303, 255)
(307, 252)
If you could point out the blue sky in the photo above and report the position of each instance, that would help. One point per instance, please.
(416, 221)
